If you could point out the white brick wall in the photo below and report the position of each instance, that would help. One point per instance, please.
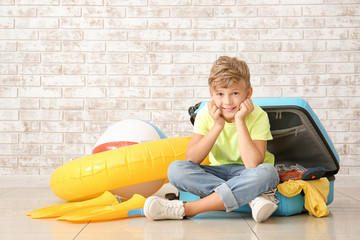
(70, 68)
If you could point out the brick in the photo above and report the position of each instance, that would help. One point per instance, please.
(237, 34)
(17, 11)
(329, 103)
(281, 34)
(63, 57)
(136, 23)
(193, 35)
(62, 127)
(343, 22)
(103, 12)
(105, 57)
(7, 103)
(8, 138)
(301, 22)
(172, 46)
(279, 11)
(23, 126)
(37, 2)
(214, 2)
(324, 10)
(38, 92)
(41, 138)
(8, 161)
(140, 58)
(7, 23)
(306, 45)
(280, 80)
(194, 57)
(60, 34)
(81, 46)
(59, 11)
(127, 3)
(348, 45)
(344, 114)
(193, 81)
(40, 115)
(202, 69)
(282, 57)
(20, 149)
(304, 91)
(149, 35)
(266, 92)
(122, 115)
(165, 2)
(265, 69)
(326, 56)
(342, 68)
(76, 69)
(258, 23)
(7, 46)
(172, 69)
(71, 115)
(150, 104)
(128, 92)
(62, 149)
(106, 104)
(133, 46)
(19, 57)
(190, 12)
(172, 116)
(151, 81)
(124, 69)
(39, 46)
(343, 91)
(36, 23)
(210, 23)
(148, 12)
(8, 92)
(105, 35)
(85, 92)
(52, 81)
(14, 34)
(327, 34)
(172, 93)
(160, 23)
(107, 81)
(83, 23)
(215, 46)
(80, 138)
(40, 161)
(314, 68)
(260, 46)
(83, 2)
(62, 104)
(235, 11)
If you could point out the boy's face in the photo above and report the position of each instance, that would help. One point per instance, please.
(228, 100)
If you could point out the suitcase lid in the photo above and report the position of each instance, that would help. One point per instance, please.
(298, 135)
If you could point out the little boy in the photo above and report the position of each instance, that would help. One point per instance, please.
(233, 132)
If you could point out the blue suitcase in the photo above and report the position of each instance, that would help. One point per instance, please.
(298, 138)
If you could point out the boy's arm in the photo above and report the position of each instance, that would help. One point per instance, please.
(252, 152)
(200, 145)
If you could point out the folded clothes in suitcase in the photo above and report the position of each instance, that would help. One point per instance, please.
(299, 139)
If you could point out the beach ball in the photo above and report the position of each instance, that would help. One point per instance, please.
(126, 133)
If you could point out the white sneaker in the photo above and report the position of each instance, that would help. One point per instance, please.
(264, 206)
(157, 208)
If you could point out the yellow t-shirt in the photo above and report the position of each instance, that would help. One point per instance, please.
(226, 148)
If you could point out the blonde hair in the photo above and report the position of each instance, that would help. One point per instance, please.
(227, 71)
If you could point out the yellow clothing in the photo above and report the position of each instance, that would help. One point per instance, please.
(316, 193)
(226, 147)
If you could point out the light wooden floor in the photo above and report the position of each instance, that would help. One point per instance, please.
(342, 223)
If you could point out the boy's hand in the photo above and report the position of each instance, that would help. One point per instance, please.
(215, 113)
(246, 107)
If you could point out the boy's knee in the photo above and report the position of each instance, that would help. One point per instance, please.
(175, 170)
(269, 173)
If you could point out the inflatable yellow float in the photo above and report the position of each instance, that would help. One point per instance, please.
(123, 171)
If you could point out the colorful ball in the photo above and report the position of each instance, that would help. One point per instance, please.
(126, 133)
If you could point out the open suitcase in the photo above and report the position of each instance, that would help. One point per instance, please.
(298, 138)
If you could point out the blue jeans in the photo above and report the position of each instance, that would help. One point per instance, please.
(235, 184)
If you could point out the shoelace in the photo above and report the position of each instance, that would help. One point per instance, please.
(172, 210)
(271, 195)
